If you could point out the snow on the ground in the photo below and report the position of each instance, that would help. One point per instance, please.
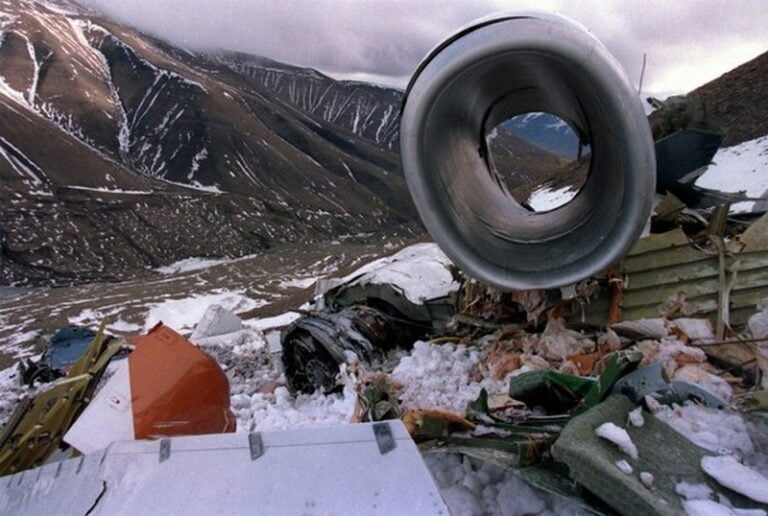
(11, 392)
(191, 264)
(443, 377)
(110, 190)
(546, 199)
(268, 323)
(300, 283)
(743, 167)
(472, 488)
(730, 473)
(184, 314)
(280, 411)
(713, 430)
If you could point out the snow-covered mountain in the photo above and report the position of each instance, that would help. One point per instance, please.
(115, 148)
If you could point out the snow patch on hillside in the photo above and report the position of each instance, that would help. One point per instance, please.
(546, 199)
(184, 314)
(192, 264)
(741, 168)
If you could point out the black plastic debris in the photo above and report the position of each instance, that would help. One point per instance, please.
(681, 153)
(650, 381)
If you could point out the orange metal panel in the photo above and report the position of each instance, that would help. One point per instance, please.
(176, 389)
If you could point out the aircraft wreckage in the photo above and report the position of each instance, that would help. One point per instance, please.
(144, 424)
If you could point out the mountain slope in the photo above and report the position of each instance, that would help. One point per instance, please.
(366, 110)
(737, 101)
(115, 147)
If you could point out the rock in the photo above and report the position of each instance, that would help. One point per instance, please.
(216, 321)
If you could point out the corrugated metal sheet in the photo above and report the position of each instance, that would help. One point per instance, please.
(664, 266)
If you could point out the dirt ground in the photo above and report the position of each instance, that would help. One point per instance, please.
(29, 316)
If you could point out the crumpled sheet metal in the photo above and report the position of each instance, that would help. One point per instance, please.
(316, 345)
(665, 269)
(681, 153)
(666, 454)
(35, 428)
(417, 282)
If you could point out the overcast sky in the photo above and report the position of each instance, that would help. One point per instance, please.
(688, 42)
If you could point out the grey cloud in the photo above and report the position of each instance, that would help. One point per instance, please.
(386, 39)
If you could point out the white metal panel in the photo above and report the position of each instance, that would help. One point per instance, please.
(336, 470)
(108, 418)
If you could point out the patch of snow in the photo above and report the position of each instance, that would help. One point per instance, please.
(546, 199)
(693, 491)
(714, 430)
(301, 283)
(730, 473)
(58, 9)
(443, 377)
(109, 190)
(20, 345)
(636, 417)
(11, 391)
(618, 436)
(121, 327)
(197, 161)
(184, 314)
(196, 185)
(739, 168)
(471, 487)
(191, 264)
(624, 466)
(279, 411)
(268, 323)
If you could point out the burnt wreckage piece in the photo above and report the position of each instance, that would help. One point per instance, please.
(316, 345)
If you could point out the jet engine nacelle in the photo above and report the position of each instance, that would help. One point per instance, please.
(494, 69)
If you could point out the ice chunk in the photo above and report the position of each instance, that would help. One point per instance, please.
(624, 466)
(619, 437)
(636, 417)
(693, 491)
(732, 474)
(646, 479)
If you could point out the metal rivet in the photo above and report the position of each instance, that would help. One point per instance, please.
(256, 445)
(165, 449)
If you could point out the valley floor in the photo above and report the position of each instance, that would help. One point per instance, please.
(258, 286)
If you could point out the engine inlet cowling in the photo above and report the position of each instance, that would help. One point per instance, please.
(493, 71)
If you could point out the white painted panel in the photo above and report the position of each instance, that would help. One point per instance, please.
(108, 418)
(336, 470)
